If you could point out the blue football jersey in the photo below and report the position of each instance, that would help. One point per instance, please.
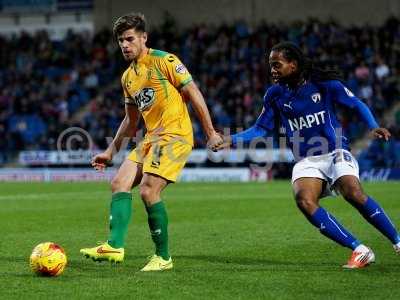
(308, 116)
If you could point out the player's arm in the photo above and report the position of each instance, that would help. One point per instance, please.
(180, 78)
(368, 118)
(127, 128)
(344, 96)
(192, 94)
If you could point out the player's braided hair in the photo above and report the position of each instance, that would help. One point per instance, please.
(306, 67)
(135, 21)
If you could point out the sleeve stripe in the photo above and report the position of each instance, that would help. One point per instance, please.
(185, 82)
(129, 100)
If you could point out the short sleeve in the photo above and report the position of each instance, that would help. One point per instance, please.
(175, 71)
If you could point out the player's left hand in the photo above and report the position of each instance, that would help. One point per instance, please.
(214, 141)
(226, 144)
(381, 133)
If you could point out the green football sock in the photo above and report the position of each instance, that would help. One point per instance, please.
(120, 216)
(158, 224)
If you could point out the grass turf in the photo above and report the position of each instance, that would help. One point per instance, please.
(228, 240)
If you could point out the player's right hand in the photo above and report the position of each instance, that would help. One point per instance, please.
(100, 161)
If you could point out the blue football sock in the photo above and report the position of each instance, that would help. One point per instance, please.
(332, 229)
(376, 216)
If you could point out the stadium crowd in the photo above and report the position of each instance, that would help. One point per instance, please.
(47, 86)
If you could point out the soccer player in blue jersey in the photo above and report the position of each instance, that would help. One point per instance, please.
(302, 100)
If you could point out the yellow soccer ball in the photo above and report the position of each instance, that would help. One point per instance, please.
(48, 259)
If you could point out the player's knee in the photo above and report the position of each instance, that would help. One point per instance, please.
(355, 195)
(147, 193)
(118, 185)
(306, 202)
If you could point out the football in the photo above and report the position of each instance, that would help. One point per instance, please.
(48, 259)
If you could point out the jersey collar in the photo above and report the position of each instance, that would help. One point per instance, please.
(141, 60)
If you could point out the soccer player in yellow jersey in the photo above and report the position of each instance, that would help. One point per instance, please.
(157, 87)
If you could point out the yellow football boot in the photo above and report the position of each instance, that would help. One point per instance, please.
(104, 252)
(157, 263)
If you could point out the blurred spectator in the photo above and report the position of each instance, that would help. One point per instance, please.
(381, 69)
(362, 72)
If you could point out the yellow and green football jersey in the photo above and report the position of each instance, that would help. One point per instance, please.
(153, 85)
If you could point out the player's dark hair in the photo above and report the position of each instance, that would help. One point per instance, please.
(306, 67)
(135, 21)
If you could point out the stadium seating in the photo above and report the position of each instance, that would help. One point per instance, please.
(44, 84)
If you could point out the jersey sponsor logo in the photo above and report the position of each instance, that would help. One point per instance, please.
(348, 92)
(316, 97)
(181, 69)
(144, 98)
(307, 121)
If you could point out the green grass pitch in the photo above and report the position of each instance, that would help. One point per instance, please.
(228, 241)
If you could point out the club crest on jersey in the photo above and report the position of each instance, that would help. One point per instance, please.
(316, 97)
(144, 98)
